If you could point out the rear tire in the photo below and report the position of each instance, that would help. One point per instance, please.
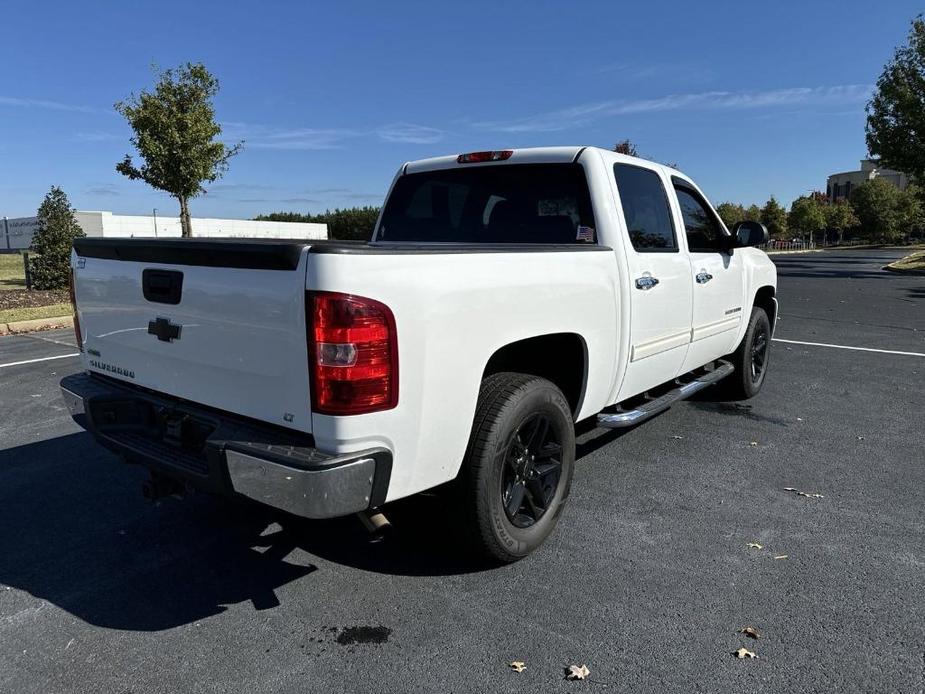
(750, 359)
(517, 471)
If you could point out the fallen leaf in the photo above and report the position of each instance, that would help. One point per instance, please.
(744, 653)
(518, 666)
(755, 545)
(781, 556)
(577, 672)
(750, 632)
(810, 495)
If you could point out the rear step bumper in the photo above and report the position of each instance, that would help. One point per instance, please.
(221, 453)
(627, 418)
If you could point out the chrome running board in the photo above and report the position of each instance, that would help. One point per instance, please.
(618, 420)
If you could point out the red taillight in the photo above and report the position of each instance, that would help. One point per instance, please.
(479, 157)
(354, 354)
(80, 341)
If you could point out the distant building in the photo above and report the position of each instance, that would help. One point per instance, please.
(840, 185)
(17, 233)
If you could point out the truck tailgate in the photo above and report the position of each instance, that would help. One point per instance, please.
(219, 323)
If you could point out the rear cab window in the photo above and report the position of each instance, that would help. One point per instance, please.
(509, 203)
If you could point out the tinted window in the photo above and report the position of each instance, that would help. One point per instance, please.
(701, 225)
(509, 203)
(645, 207)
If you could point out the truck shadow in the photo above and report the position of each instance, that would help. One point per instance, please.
(76, 532)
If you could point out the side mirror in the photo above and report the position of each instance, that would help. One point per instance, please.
(749, 233)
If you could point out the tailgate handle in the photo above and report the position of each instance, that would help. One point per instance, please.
(162, 286)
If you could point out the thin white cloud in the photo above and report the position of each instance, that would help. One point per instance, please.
(410, 133)
(714, 100)
(301, 139)
(259, 136)
(46, 104)
(103, 190)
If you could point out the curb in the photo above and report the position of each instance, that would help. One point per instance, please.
(808, 250)
(904, 271)
(28, 326)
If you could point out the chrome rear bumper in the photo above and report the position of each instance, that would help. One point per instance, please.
(222, 453)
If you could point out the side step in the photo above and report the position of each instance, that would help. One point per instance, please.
(618, 420)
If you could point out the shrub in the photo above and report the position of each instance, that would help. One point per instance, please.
(54, 236)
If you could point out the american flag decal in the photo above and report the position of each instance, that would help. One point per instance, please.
(585, 234)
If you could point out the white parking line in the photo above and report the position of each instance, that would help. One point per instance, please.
(33, 361)
(858, 349)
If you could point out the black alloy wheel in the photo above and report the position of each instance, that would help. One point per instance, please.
(533, 467)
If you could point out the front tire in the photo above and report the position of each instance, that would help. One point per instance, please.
(751, 358)
(518, 467)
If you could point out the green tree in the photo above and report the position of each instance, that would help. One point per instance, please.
(731, 213)
(807, 215)
(353, 224)
(774, 217)
(877, 205)
(54, 236)
(839, 217)
(910, 210)
(896, 114)
(753, 213)
(175, 131)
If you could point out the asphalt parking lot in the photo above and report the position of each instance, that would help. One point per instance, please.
(647, 580)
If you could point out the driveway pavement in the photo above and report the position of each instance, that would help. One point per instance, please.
(647, 580)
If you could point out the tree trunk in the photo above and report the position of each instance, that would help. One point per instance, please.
(186, 227)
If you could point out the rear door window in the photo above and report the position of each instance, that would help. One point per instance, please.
(645, 208)
(510, 203)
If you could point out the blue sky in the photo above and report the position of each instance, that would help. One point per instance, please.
(330, 98)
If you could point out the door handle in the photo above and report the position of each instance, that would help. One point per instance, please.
(646, 282)
(703, 277)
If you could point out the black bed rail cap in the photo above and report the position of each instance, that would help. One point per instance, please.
(257, 254)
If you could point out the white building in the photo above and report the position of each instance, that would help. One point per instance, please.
(17, 233)
(840, 185)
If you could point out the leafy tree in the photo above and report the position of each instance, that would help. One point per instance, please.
(896, 114)
(807, 215)
(175, 131)
(839, 217)
(731, 213)
(910, 210)
(876, 203)
(626, 147)
(774, 217)
(355, 223)
(753, 213)
(54, 236)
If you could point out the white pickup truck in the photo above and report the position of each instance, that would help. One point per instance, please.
(504, 296)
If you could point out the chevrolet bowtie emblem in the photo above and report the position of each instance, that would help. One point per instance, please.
(164, 330)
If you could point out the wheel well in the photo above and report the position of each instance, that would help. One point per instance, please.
(764, 298)
(559, 357)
